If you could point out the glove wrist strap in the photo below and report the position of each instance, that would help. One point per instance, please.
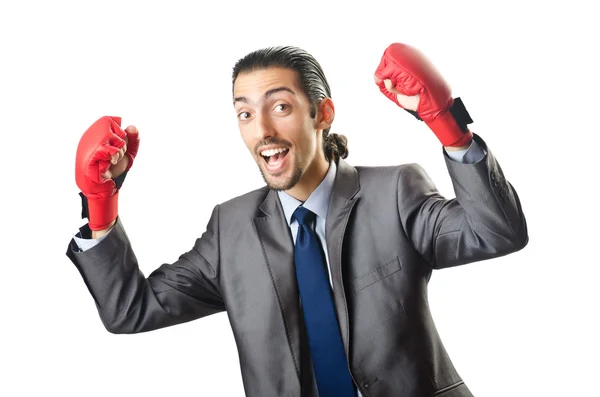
(85, 204)
(451, 127)
(102, 211)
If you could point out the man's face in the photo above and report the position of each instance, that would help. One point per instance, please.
(274, 120)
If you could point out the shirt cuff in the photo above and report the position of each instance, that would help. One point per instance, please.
(473, 154)
(85, 244)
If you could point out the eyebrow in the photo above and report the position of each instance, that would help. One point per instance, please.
(267, 94)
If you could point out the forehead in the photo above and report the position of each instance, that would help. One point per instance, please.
(255, 83)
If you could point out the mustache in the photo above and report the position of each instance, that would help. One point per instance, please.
(272, 141)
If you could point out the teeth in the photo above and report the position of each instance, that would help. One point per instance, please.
(272, 152)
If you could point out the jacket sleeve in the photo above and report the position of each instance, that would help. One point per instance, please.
(485, 219)
(129, 302)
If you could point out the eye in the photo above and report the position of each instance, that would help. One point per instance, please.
(282, 107)
(243, 115)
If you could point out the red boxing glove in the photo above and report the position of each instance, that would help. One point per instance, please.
(411, 73)
(102, 139)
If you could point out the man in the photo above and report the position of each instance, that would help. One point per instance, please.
(324, 271)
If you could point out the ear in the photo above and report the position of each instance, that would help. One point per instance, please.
(325, 114)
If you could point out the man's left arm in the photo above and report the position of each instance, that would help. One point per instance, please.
(450, 248)
(485, 220)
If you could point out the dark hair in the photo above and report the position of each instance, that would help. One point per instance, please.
(312, 81)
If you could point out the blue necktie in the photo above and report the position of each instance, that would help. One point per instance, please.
(324, 336)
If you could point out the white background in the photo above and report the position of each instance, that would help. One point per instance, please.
(521, 325)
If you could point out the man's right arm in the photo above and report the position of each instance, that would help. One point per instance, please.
(129, 302)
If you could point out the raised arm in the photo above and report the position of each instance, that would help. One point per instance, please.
(127, 301)
(485, 220)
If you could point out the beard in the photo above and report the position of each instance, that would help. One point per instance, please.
(285, 184)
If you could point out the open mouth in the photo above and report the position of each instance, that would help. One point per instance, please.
(274, 157)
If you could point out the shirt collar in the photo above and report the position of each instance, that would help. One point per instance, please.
(317, 202)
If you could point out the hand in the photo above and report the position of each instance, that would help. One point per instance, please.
(123, 159)
(407, 78)
(104, 152)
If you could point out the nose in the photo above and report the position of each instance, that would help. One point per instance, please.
(264, 127)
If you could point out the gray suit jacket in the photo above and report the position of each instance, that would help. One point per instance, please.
(387, 229)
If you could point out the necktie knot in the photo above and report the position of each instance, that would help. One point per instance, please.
(304, 216)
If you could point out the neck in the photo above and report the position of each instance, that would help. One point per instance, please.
(313, 176)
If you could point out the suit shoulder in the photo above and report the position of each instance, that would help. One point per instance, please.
(235, 213)
(247, 202)
(391, 171)
(405, 178)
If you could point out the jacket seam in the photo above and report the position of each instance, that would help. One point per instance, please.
(448, 388)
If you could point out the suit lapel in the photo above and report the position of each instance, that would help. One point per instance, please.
(342, 201)
(278, 250)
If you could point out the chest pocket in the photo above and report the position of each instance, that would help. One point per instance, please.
(379, 273)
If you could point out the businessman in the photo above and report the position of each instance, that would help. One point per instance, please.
(323, 271)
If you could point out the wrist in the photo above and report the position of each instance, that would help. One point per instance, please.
(462, 144)
(99, 233)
